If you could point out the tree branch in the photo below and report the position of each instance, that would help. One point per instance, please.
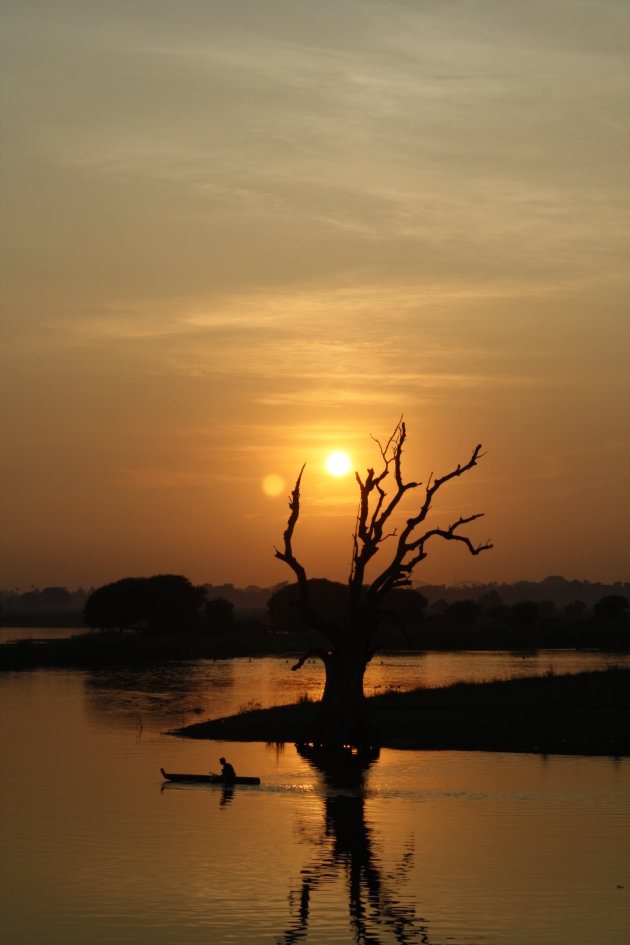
(410, 548)
(306, 610)
(319, 652)
(369, 531)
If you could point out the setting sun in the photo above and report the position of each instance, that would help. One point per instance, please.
(338, 464)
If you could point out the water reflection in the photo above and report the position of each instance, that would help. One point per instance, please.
(347, 850)
(172, 695)
(180, 693)
(226, 793)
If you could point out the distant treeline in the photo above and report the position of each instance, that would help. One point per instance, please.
(555, 605)
(554, 589)
(409, 621)
(165, 617)
(48, 607)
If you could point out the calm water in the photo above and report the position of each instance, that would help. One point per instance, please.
(437, 847)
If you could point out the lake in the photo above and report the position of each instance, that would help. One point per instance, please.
(435, 847)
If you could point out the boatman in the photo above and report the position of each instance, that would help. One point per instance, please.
(228, 774)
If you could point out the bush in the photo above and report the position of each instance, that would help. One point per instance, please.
(612, 607)
(164, 602)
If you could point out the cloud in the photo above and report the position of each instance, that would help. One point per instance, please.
(399, 125)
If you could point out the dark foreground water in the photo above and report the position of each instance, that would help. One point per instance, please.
(435, 847)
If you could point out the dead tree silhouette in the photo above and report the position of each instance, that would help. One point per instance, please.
(349, 641)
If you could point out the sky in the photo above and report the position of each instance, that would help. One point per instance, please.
(237, 237)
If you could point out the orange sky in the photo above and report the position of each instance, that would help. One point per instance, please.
(237, 237)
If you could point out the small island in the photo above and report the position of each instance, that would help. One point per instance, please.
(579, 714)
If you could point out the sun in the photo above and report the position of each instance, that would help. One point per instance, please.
(338, 464)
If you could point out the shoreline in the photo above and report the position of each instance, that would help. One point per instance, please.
(96, 649)
(577, 714)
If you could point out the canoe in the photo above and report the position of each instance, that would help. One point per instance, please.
(206, 779)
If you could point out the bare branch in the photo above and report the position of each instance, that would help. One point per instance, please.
(306, 610)
(410, 550)
(449, 533)
(431, 489)
(369, 533)
(287, 555)
(319, 652)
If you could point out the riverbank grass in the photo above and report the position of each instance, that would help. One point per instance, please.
(583, 713)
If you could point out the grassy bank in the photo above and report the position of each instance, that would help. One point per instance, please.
(585, 713)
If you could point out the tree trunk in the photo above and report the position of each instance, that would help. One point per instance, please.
(343, 717)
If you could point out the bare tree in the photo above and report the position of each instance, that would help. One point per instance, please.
(342, 718)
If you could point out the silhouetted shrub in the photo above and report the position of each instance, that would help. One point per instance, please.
(490, 601)
(463, 611)
(612, 607)
(524, 612)
(439, 606)
(575, 608)
(218, 614)
(546, 609)
(164, 602)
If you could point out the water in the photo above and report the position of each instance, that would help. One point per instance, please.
(200, 689)
(438, 847)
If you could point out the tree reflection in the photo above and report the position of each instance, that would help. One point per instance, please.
(347, 849)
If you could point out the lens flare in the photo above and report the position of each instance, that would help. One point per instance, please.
(273, 484)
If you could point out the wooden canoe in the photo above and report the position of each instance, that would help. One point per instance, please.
(206, 779)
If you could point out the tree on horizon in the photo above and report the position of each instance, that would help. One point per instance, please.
(163, 602)
(342, 717)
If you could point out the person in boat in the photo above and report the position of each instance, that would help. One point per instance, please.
(228, 774)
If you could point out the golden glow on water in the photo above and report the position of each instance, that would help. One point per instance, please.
(482, 848)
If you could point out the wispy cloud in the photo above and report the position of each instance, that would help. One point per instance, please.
(418, 125)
